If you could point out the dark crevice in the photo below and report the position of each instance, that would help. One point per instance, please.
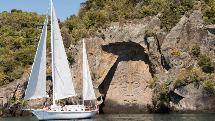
(25, 87)
(48, 77)
(14, 93)
(164, 62)
(211, 30)
(146, 42)
(174, 97)
(158, 45)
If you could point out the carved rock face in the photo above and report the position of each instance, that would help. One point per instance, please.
(128, 88)
(120, 72)
(125, 85)
(120, 66)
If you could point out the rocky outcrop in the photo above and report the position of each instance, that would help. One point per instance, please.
(11, 98)
(176, 48)
(195, 99)
(178, 43)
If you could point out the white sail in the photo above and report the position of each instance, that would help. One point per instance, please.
(88, 92)
(37, 82)
(62, 78)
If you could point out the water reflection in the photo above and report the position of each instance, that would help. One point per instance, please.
(134, 117)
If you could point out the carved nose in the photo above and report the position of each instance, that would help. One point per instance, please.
(130, 95)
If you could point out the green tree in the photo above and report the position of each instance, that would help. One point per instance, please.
(18, 42)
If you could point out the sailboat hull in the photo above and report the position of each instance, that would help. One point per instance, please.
(56, 115)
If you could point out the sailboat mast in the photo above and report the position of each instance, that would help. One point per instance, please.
(52, 46)
(83, 44)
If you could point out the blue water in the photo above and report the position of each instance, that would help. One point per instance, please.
(135, 117)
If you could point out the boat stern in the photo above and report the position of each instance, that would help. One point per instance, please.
(40, 114)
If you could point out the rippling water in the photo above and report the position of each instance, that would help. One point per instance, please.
(135, 117)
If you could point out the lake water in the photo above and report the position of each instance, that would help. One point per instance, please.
(135, 117)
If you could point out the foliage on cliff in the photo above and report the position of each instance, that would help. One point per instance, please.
(160, 98)
(209, 11)
(96, 14)
(19, 35)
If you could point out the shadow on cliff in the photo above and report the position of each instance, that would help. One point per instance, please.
(126, 51)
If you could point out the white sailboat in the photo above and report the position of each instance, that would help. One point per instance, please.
(61, 78)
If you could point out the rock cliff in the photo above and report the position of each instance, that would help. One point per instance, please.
(125, 58)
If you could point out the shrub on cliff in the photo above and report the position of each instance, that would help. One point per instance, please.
(70, 58)
(152, 83)
(20, 102)
(205, 62)
(2, 78)
(208, 9)
(173, 11)
(209, 86)
(160, 99)
(195, 50)
(186, 77)
(175, 52)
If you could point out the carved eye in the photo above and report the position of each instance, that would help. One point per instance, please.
(123, 85)
(136, 84)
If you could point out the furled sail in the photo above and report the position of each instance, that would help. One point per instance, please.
(37, 82)
(88, 92)
(61, 75)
